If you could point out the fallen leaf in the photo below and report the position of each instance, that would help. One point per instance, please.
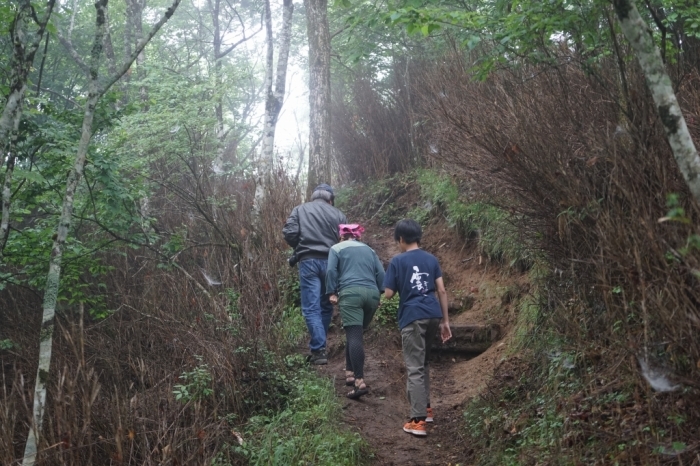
(590, 162)
(131, 434)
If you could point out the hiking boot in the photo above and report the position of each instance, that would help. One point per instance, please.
(318, 358)
(415, 428)
(430, 415)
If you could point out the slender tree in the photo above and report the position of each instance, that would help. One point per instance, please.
(25, 43)
(319, 93)
(221, 50)
(274, 97)
(96, 89)
(638, 34)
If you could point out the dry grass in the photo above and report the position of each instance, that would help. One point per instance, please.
(111, 399)
(374, 132)
(592, 182)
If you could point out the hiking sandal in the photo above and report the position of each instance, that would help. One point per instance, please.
(358, 391)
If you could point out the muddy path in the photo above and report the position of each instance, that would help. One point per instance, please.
(379, 416)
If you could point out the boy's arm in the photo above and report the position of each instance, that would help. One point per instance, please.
(445, 332)
(389, 281)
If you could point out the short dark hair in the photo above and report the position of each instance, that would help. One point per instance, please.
(409, 230)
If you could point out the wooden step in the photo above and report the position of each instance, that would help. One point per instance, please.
(469, 338)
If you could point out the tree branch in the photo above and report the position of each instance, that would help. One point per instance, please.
(139, 47)
(244, 39)
(71, 51)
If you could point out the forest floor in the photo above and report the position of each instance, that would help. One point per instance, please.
(455, 378)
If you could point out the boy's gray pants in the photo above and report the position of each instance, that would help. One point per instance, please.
(416, 339)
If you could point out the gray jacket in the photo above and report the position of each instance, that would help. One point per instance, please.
(312, 228)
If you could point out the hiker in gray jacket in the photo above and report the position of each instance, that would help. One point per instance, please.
(354, 280)
(311, 229)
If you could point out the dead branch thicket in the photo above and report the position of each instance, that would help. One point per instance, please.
(592, 177)
(212, 303)
(373, 129)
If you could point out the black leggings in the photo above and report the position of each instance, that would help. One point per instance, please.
(354, 351)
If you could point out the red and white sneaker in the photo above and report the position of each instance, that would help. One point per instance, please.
(415, 428)
(430, 415)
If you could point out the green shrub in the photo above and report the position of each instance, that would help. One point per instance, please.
(291, 324)
(375, 199)
(196, 384)
(7, 344)
(527, 319)
(491, 226)
(387, 312)
(307, 431)
(420, 214)
(510, 427)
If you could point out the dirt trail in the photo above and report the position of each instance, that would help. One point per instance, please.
(380, 415)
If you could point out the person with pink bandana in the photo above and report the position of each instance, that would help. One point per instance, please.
(354, 281)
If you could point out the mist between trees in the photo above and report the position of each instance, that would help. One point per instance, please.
(173, 302)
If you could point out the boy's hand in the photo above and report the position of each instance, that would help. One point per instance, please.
(445, 332)
(333, 299)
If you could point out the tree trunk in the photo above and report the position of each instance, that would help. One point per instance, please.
(274, 98)
(41, 66)
(639, 36)
(271, 104)
(302, 151)
(95, 92)
(11, 112)
(140, 5)
(218, 165)
(319, 93)
(23, 52)
(219, 54)
(109, 48)
(53, 277)
(7, 186)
